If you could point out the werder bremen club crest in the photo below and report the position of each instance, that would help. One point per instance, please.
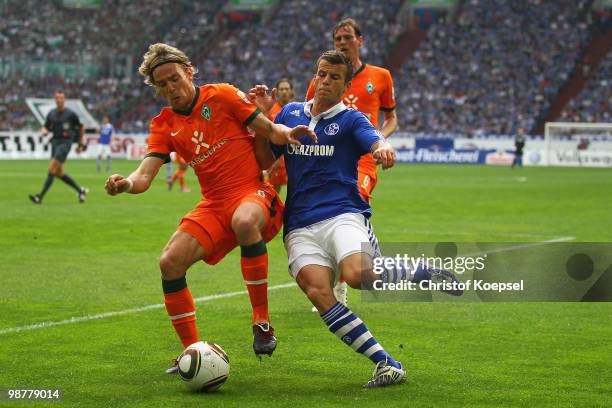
(205, 112)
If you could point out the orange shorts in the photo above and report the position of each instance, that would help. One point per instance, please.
(179, 159)
(366, 183)
(278, 176)
(211, 221)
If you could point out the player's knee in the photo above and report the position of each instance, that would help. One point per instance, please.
(359, 278)
(171, 266)
(245, 222)
(316, 294)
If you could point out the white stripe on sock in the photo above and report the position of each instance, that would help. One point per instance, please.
(360, 340)
(376, 347)
(176, 317)
(257, 282)
(348, 327)
(337, 319)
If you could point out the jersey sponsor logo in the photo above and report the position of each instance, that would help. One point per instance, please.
(243, 96)
(295, 113)
(198, 139)
(176, 133)
(331, 129)
(351, 101)
(206, 112)
(207, 153)
(370, 87)
(311, 150)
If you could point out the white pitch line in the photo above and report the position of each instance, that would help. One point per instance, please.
(523, 246)
(44, 325)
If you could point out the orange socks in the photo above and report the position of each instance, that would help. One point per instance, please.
(181, 310)
(254, 263)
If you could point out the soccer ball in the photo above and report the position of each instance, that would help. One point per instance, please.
(203, 366)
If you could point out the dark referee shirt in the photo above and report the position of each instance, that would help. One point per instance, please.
(64, 125)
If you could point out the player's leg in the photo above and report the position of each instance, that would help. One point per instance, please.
(181, 251)
(107, 151)
(54, 168)
(99, 158)
(61, 156)
(357, 269)
(361, 274)
(311, 263)
(247, 222)
(255, 221)
(183, 168)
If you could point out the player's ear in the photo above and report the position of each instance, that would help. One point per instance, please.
(360, 40)
(347, 85)
(189, 73)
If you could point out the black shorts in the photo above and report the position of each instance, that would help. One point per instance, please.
(60, 150)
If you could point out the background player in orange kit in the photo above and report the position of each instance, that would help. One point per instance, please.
(179, 174)
(207, 126)
(371, 91)
(284, 94)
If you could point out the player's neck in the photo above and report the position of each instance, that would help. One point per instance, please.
(319, 107)
(356, 64)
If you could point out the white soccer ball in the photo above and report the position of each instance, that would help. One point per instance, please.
(203, 366)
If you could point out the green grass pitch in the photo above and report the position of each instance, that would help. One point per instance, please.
(63, 259)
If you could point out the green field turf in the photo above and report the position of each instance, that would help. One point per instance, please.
(65, 260)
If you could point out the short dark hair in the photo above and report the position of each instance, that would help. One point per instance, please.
(350, 23)
(336, 57)
(287, 80)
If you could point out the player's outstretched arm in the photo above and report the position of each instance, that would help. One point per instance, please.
(383, 153)
(280, 134)
(390, 124)
(263, 153)
(137, 182)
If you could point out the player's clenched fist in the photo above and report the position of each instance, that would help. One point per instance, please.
(117, 184)
(385, 155)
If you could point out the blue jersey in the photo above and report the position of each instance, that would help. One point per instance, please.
(322, 178)
(105, 134)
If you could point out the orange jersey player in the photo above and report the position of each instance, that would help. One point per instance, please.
(371, 91)
(284, 94)
(179, 174)
(207, 126)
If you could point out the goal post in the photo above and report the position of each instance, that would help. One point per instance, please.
(578, 144)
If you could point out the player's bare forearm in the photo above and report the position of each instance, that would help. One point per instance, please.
(280, 134)
(263, 153)
(137, 182)
(390, 124)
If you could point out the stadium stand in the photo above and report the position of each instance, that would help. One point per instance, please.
(494, 68)
(594, 103)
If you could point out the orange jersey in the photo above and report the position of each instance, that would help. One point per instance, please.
(213, 139)
(371, 91)
(274, 110)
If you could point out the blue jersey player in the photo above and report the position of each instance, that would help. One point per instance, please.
(106, 134)
(326, 219)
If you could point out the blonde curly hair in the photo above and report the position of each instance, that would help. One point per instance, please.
(159, 54)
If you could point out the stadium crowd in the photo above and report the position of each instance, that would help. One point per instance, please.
(594, 103)
(492, 70)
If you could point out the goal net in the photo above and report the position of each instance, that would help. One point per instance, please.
(578, 144)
